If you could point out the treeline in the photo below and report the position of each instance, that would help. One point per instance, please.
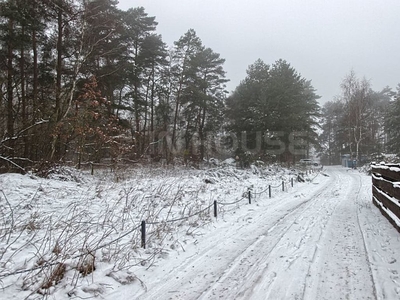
(83, 80)
(361, 123)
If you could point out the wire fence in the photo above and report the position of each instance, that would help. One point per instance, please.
(143, 225)
(231, 203)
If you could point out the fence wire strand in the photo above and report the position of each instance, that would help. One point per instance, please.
(231, 203)
(262, 192)
(182, 218)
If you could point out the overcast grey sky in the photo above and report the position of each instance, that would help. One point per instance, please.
(322, 39)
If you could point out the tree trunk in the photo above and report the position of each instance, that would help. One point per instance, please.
(35, 70)
(57, 113)
(144, 137)
(153, 147)
(23, 96)
(10, 94)
(177, 105)
(59, 64)
(201, 134)
(35, 85)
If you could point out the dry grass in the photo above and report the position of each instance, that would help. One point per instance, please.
(56, 275)
(86, 265)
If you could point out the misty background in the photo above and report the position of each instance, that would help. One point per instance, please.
(323, 40)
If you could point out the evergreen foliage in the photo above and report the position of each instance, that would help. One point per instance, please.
(274, 103)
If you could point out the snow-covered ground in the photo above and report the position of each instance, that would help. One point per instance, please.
(78, 236)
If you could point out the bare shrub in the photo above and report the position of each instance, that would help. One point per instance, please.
(56, 275)
(86, 265)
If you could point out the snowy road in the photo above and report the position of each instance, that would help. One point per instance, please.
(319, 240)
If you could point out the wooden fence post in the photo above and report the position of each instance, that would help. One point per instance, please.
(269, 191)
(249, 197)
(215, 208)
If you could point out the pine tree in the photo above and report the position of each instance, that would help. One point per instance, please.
(274, 102)
(183, 79)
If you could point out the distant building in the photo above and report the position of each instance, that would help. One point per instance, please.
(348, 162)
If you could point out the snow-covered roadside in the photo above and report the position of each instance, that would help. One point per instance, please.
(322, 239)
(60, 228)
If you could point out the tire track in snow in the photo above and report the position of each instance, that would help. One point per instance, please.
(367, 256)
(213, 253)
(342, 268)
(294, 282)
(242, 276)
(270, 275)
(285, 258)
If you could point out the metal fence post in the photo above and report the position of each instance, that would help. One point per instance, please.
(215, 208)
(283, 186)
(292, 181)
(269, 191)
(249, 197)
(143, 230)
